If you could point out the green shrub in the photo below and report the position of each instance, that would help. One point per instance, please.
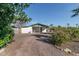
(62, 35)
(5, 31)
(75, 34)
(10, 31)
(2, 43)
(8, 38)
(59, 37)
(6, 35)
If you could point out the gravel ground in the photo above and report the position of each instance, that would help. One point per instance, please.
(31, 45)
(73, 46)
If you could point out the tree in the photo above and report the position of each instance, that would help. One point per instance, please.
(6, 18)
(76, 12)
(10, 13)
(68, 24)
(77, 25)
(51, 24)
(20, 17)
(59, 26)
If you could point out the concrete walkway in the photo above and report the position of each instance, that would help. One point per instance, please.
(30, 45)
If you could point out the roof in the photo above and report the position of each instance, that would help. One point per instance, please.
(34, 25)
(40, 25)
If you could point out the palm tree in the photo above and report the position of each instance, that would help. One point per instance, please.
(68, 24)
(51, 25)
(76, 12)
(76, 25)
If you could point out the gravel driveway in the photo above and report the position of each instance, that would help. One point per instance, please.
(30, 45)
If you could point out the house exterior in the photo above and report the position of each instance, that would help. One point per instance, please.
(35, 28)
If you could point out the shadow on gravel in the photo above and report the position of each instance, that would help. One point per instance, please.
(76, 41)
(40, 35)
(43, 38)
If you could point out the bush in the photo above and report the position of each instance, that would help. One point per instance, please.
(8, 38)
(75, 34)
(59, 37)
(2, 43)
(5, 31)
(62, 35)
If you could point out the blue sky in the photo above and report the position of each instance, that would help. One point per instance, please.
(54, 13)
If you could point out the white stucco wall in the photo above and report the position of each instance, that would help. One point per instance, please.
(26, 30)
(44, 31)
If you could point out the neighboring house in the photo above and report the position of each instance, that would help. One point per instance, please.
(35, 28)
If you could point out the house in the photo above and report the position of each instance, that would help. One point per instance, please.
(35, 28)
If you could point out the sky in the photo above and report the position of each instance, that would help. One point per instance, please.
(54, 13)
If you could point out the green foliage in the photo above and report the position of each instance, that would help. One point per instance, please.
(59, 37)
(62, 35)
(76, 12)
(2, 43)
(19, 13)
(8, 38)
(75, 34)
(10, 13)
